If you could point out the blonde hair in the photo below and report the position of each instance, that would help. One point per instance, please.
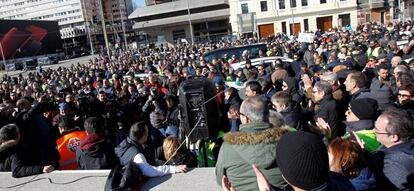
(170, 145)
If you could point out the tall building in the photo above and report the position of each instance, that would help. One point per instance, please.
(267, 17)
(73, 17)
(169, 21)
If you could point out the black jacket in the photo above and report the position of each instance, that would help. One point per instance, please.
(328, 112)
(11, 159)
(294, 118)
(188, 159)
(95, 154)
(128, 149)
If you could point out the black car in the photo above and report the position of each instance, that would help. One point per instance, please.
(30, 64)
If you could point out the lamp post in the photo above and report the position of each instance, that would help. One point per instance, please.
(123, 24)
(104, 27)
(4, 59)
(87, 27)
(189, 22)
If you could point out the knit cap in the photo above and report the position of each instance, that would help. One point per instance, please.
(365, 108)
(303, 159)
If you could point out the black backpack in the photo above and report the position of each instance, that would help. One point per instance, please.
(124, 178)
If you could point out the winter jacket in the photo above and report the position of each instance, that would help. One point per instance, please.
(95, 153)
(382, 92)
(365, 181)
(293, 117)
(12, 159)
(188, 159)
(255, 143)
(127, 150)
(328, 112)
(394, 167)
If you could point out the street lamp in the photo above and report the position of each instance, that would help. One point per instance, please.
(87, 27)
(4, 59)
(189, 22)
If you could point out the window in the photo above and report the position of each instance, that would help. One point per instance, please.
(281, 4)
(263, 6)
(245, 8)
(306, 25)
(284, 27)
(292, 3)
(323, 1)
(304, 3)
(345, 20)
(178, 35)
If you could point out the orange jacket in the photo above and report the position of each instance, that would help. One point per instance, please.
(67, 146)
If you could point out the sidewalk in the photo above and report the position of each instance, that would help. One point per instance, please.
(196, 179)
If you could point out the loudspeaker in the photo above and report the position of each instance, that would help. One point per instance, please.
(199, 108)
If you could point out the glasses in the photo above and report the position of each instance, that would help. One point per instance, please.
(403, 95)
(380, 133)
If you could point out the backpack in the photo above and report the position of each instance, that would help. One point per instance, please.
(123, 178)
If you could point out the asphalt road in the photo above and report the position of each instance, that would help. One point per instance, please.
(63, 63)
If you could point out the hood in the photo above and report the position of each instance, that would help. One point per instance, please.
(256, 147)
(359, 125)
(292, 85)
(267, 136)
(124, 146)
(8, 144)
(92, 140)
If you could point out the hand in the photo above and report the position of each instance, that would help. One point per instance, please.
(360, 142)
(307, 82)
(48, 169)
(226, 185)
(181, 169)
(323, 127)
(262, 182)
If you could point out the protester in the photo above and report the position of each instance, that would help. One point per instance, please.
(12, 156)
(94, 151)
(254, 143)
(132, 148)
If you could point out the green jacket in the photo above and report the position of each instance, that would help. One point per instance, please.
(255, 143)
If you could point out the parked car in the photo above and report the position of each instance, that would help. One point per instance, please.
(30, 64)
(47, 61)
(265, 60)
(238, 51)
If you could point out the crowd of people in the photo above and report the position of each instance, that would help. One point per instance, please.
(338, 117)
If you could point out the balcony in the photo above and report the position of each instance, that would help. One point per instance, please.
(176, 12)
(373, 3)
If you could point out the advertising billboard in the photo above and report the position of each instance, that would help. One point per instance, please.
(27, 38)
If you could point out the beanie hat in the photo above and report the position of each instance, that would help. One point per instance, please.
(303, 159)
(365, 108)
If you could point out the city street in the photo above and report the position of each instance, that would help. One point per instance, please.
(63, 63)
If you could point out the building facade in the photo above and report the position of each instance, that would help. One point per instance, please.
(169, 21)
(74, 16)
(267, 17)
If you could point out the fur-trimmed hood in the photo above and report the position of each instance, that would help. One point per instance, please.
(7, 145)
(266, 136)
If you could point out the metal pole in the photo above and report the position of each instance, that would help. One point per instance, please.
(123, 24)
(4, 59)
(87, 27)
(104, 27)
(399, 10)
(189, 22)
